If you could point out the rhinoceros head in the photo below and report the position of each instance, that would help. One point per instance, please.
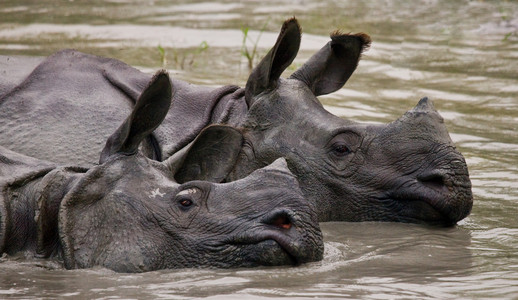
(407, 171)
(130, 214)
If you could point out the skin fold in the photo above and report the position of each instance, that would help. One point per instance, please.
(406, 171)
(129, 214)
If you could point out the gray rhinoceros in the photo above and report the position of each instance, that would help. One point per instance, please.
(405, 171)
(130, 215)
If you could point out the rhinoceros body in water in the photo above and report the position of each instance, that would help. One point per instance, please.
(405, 171)
(129, 214)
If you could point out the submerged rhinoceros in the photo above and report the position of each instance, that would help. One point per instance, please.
(130, 215)
(404, 171)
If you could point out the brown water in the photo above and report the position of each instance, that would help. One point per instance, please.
(462, 54)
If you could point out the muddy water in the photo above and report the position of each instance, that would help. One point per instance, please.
(462, 54)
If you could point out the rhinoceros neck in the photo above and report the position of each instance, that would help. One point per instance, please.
(29, 207)
(231, 109)
(194, 107)
(19, 209)
(52, 189)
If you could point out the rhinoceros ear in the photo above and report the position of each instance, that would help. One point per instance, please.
(329, 69)
(149, 111)
(267, 73)
(210, 157)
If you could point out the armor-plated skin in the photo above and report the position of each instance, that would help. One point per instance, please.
(350, 171)
(130, 214)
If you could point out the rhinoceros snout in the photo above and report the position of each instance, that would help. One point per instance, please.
(291, 231)
(281, 219)
(436, 179)
(439, 192)
(432, 181)
(449, 191)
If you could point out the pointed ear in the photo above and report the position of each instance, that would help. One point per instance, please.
(267, 73)
(149, 111)
(210, 157)
(329, 69)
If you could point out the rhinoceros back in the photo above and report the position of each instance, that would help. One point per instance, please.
(65, 110)
(72, 102)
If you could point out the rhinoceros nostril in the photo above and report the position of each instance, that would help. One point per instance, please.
(434, 179)
(280, 220)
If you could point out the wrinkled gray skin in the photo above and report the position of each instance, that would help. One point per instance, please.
(129, 214)
(404, 171)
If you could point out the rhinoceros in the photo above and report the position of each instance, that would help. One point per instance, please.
(129, 214)
(405, 171)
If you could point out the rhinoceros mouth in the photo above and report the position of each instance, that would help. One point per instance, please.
(423, 211)
(284, 251)
(270, 247)
(425, 207)
(277, 239)
(436, 203)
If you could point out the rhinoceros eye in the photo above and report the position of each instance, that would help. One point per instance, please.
(185, 202)
(185, 197)
(340, 149)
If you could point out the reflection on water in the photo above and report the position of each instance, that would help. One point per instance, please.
(461, 54)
